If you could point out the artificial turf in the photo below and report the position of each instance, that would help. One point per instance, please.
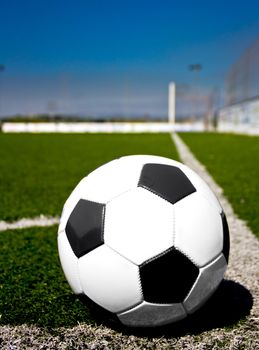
(33, 289)
(233, 160)
(39, 171)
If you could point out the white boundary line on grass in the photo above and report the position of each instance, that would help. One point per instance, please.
(243, 268)
(244, 246)
(39, 221)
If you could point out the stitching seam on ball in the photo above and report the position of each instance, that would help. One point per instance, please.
(103, 223)
(174, 224)
(157, 256)
(188, 256)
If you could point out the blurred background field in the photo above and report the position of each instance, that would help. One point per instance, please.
(38, 172)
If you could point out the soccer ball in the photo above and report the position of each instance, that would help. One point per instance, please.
(144, 238)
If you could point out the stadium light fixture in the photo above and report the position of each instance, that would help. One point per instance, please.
(195, 67)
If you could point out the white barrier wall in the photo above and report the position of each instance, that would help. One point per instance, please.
(98, 127)
(240, 118)
(85, 127)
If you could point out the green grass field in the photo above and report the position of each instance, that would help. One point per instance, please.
(233, 160)
(38, 172)
(33, 289)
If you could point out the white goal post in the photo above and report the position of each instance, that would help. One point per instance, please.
(171, 103)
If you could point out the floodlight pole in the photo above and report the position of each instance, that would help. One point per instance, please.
(195, 67)
(171, 103)
(2, 68)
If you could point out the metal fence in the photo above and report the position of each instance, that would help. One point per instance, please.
(241, 110)
(242, 80)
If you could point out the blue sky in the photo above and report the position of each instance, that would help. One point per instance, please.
(116, 57)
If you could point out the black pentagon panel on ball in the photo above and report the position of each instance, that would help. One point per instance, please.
(84, 228)
(226, 240)
(166, 181)
(167, 278)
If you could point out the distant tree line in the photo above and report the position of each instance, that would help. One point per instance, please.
(39, 118)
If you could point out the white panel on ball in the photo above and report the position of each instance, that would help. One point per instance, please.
(69, 263)
(201, 186)
(208, 280)
(139, 225)
(109, 279)
(198, 229)
(103, 184)
(149, 315)
(110, 180)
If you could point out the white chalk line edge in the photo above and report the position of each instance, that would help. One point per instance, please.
(39, 221)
